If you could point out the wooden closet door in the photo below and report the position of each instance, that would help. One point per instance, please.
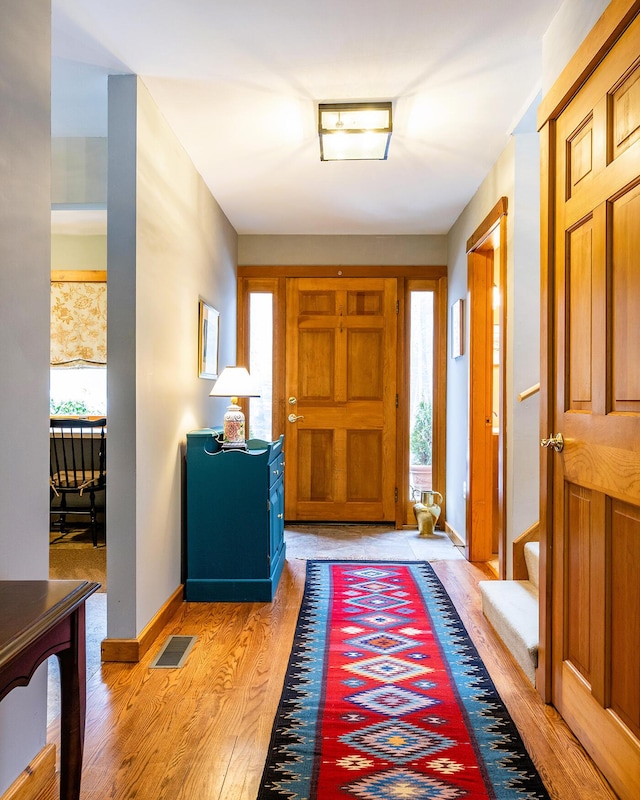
(341, 390)
(596, 489)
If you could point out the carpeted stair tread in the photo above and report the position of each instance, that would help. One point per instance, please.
(512, 609)
(532, 560)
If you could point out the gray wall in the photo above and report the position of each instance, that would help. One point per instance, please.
(168, 244)
(24, 340)
(565, 34)
(523, 342)
(499, 183)
(79, 171)
(310, 250)
(516, 176)
(78, 252)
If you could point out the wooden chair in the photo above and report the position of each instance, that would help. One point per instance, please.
(77, 466)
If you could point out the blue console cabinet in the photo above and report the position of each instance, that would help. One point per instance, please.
(235, 519)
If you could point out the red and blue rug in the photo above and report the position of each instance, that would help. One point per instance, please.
(386, 697)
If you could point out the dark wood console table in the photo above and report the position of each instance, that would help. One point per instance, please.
(39, 619)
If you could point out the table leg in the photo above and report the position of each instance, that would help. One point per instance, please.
(73, 692)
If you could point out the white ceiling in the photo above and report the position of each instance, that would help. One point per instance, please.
(239, 82)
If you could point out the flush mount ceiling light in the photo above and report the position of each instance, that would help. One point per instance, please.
(354, 131)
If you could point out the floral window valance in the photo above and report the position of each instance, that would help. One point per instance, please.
(79, 320)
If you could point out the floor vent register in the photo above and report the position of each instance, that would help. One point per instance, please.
(174, 652)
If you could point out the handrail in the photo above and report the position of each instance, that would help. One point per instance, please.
(528, 392)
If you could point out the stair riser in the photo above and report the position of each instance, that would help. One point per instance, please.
(512, 609)
(532, 560)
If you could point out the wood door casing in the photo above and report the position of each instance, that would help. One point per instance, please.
(594, 172)
(485, 512)
(480, 469)
(341, 340)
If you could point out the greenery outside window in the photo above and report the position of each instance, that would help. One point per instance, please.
(78, 391)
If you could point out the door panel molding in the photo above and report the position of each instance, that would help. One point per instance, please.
(590, 493)
(486, 258)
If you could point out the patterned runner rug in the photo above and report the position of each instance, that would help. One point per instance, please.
(386, 698)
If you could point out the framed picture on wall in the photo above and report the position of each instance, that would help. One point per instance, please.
(209, 332)
(457, 329)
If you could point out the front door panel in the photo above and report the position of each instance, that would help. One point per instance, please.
(341, 381)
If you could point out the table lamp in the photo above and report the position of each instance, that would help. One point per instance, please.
(234, 382)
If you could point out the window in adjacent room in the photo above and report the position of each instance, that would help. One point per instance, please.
(78, 391)
(78, 376)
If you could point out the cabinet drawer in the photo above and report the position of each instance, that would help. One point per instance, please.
(276, 463)
(276, 470)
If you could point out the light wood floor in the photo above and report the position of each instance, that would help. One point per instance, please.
(201, 732)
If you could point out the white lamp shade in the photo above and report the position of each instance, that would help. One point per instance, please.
(235, 382)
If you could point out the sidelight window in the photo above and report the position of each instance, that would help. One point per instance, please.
(421, 393)
(261, 364)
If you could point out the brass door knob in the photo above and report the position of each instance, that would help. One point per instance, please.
(554, 442)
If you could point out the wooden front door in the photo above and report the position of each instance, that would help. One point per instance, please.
(596, 477)
(341, 399)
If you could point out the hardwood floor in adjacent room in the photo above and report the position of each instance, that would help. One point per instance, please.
(201, 732)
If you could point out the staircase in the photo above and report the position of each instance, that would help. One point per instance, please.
(512, 609)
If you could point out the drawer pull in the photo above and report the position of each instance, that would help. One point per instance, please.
(280, 516)
(276, 471)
